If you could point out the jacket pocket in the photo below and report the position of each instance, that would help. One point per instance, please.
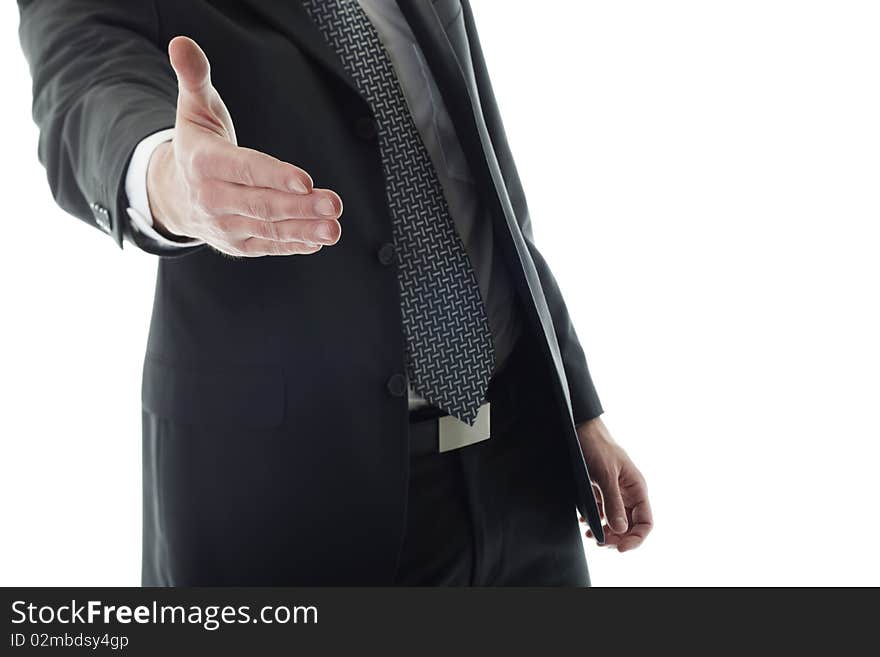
(245, 395)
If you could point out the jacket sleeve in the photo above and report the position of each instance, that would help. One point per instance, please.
(584, 399)
(101, 83)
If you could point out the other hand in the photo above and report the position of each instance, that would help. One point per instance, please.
(619, 486)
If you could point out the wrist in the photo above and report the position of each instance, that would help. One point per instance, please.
(594, 431)
(161, 181)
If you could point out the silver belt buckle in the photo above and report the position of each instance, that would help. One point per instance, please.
(455, 434)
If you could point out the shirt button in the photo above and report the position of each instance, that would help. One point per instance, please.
(365, 128)
(386, 253)
(397, 385)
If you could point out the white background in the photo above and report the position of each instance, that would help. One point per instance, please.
(703, 177)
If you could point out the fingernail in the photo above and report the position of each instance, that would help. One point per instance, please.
(324, 206)
(621, 522)
(298, 186)
(325, 233)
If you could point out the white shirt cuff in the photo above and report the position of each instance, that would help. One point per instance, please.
(136, 190)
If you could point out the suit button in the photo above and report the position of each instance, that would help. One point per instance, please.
(102, 217)
(366, 128)
(397, 385)
(386, 253)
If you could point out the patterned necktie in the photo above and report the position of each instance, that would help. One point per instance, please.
(450, 354)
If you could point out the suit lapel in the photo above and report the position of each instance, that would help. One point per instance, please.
(461, 98)
(443, 62)
(290, 18)
(463, 103)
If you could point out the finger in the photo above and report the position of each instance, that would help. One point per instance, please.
(597, 493)
(198, 103)
(640, 527)
(635, 497)
(642, 517)
(248, 167)
(190, 64)
(629, 542)
(637, 533)
(255, 247)
(611, 539)
(304, 231)
(612, 501)
(269, 204)
(635, 492)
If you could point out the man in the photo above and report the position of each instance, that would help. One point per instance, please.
(390, 395)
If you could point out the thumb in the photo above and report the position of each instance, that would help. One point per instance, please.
(190, 64)
(615, 511)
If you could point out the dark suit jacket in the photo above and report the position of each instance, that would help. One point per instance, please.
(307, 342)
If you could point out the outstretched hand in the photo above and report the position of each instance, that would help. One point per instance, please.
(240, 201)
